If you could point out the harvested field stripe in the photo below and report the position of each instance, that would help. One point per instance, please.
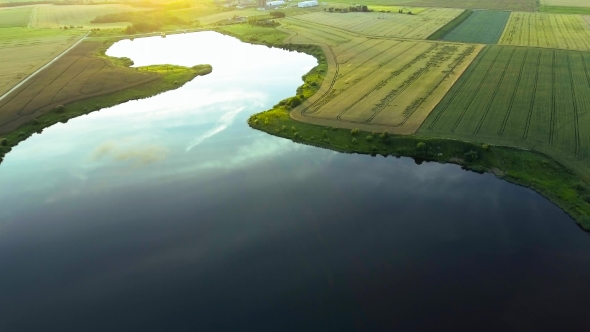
(487, 109)
(373, 57)
(431, 91)
(331, 83)
(475, 93)
(383, 83)
(532, 105)
(513, 97)
(363, 51)
(406, 84)
(327, 98)
(460, 87)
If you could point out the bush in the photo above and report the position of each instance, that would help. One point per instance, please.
(59, 109)
(369, 138)
(486, 147)
(293, 128)
(584, 220)
(3, 142)
(354, 132)
(471, 155)
(421, 146)
(296, 135)
(325, 134)
(354, 141)
(374, 148)
(384, 136)
(295, 101)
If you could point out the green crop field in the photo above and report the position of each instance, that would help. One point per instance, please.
(483, 26)
(17, 17)
(547, 30)
(566, 3)
(522, 97)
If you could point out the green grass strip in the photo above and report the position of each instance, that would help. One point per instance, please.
(442, 32)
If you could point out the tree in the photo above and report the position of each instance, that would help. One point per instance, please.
(354, 132)
(3, 142)
(421, 146)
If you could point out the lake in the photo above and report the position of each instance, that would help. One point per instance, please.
(171, 214)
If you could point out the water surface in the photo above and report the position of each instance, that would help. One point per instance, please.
(171, 214)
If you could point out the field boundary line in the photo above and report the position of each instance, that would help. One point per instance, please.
(513, 98)
(533, 99)
(21, 83)
(481, 56)
(494, 94)
(475, 93)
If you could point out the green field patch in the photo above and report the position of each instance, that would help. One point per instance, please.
(521, 97)
(15, 17)
(566, 10)
(483, 26)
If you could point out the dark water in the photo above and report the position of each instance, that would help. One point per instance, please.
(170, 214)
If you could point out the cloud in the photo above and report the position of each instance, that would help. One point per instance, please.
(224, 121)
(137, 156)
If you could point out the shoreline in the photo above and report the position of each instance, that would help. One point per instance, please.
(167, 78)
(523, 167)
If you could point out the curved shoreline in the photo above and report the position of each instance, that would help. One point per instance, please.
(173, 77)
(528, 168)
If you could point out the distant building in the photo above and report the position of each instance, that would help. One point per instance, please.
(261, 3)
(275, 3)
(311, 3)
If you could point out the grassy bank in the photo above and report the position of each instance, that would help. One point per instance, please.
(169, 78)
(523, 167)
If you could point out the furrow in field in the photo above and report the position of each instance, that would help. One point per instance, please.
(484, 94)
(531, 105)
(415, 86)
(362, 88)
(454, 94)
(361, 73)
(417, 102)
(362, 110)
(512, 90)
(501, 83)
(475, 92)
(538, 129)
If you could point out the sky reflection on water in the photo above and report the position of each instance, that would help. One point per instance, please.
(170, 213)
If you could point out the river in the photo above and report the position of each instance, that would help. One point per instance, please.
(171, 214)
